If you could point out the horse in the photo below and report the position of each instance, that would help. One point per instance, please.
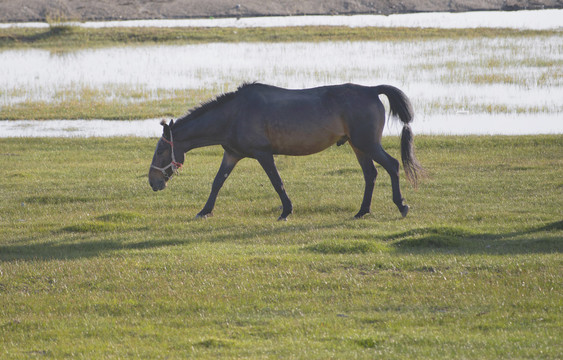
(259, 121)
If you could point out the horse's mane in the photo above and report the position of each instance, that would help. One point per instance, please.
(211, 104)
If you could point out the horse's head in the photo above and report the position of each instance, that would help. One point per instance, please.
(166, 161)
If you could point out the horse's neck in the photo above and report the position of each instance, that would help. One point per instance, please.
(207, 129)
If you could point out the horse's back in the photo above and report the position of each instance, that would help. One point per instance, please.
(290, 122)
(302, 122)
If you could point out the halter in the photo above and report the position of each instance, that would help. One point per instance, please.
(173, 163)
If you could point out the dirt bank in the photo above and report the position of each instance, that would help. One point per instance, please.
(41, 10)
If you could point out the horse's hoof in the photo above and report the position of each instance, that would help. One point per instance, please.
(283, 218)
(360, 214)
(405, 211)
(203, 216)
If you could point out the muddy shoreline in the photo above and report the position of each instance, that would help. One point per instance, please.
(87, 10)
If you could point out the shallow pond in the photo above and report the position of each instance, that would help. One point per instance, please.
(453, 124)
(510, 85)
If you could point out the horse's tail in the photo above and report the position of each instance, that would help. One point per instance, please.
(401, 107)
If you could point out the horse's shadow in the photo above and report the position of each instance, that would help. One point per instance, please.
(461, 241)
(546, 239)
(76, 250)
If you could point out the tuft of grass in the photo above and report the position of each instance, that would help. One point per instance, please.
(215, 343)
(346, 247)
(121, 217)
(55, 199)
(92, 226)
(368, 343)
(430, 242)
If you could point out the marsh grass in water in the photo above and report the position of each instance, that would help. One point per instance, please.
(111, 102)
(511, 74)
(60, 37)
(94, 264)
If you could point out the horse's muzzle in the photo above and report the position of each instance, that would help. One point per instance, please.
(157, 185)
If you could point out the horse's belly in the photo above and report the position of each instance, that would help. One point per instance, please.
(302, 127)
(303, 142)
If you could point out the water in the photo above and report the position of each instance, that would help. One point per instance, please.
(448, 124)
(80, 128)
(429, 71)
(465, 86)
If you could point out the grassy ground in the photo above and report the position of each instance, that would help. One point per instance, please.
(93, 264)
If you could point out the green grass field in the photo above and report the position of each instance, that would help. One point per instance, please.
(94, 264)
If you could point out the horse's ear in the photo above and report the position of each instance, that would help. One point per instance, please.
(165, 129)
(171, 122)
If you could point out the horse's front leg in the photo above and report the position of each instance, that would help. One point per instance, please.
(266, 160)
(227, 165)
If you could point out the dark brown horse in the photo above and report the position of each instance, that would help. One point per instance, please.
(259, 121)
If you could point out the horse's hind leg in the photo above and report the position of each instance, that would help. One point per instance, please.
(370, 173)
(391, 165)
(227, 165)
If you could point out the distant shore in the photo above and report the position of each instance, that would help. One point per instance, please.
(87, 10)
